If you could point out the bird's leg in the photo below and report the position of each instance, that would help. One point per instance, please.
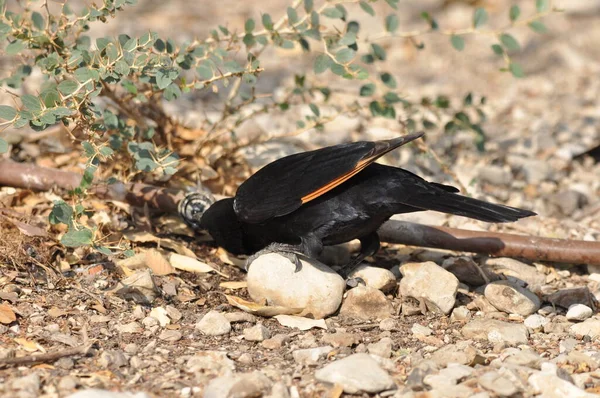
(310, 246)
(369, 245)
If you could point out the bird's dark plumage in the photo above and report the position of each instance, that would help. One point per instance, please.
(331, 196)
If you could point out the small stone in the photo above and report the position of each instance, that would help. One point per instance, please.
(214, 324)
(517, 270)
(315, 287)
(498, 384)
(459, 353)
(388, 324)
(567, 345)
(364, 302)
(257, 333)
(253, 384)
(512, 298)
(382, 348)
(279, 390)
(357, 373)
(535, 322)
(211, 362)
(449, 376)
(276, 341)
(341, 339)
(550, 385)
(245, 358)
(468, 271)
(567, 297)
(375, 277)
(311, 356)
(170, 335)
(161, 315)
(496, 331)
(420, 330)
(67, 383)
(589, 327)
(527, 358)
(430, 283)
(460, 314)
(579, 312)
(97, 393)
(138, 287)
(112, 359)
(236, 317)
(495, 175)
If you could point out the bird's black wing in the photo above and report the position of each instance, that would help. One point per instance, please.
(284, 185)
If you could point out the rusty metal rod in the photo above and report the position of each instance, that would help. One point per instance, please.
(492, 243)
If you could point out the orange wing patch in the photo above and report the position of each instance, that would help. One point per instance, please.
(326, 188)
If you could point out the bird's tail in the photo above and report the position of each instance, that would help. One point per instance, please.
(459, 205)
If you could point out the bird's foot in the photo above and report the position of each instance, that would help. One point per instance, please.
(285, 250)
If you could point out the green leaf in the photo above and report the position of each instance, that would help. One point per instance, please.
(75, 238)
(479, 17)
(165, 76)
(3, 146)
(509, 42)
(15, 47)
(457, 42)
(516, 70)
(322, 63)
(67, 87)
(388, 80)
(308, 5)
(314, 109)
(38, 20)
(348, 39)
(391, 23)
(333, 12)
(542, 5)
(249, 25)
(538, 27)
(468, 101)
(31, 102)
(292, 15)
(84, 74)
(130, 45)
(61, 213)
(392, 3)
(367, 90)
(391, 97)
(7, 112)
(378, 51)
(514, 13)
(497, 49)
(366, 7)
(88, 149)
(205, 71)
(345, 55)
(267, 22)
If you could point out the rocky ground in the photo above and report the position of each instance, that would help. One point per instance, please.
(428, 323)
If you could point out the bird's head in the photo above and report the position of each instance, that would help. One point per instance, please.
(193, 206)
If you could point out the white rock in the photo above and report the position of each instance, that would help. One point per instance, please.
(431, 283)
(316, 287)
(214, 324)
(589, 327)
(420, 330)
(496, 331)
(257, 333)
(535, 321)
(357, 373)
(365, 302)
(382, 348)
(253, 384)
(376, 277)
(579, 312)
(498, 384)
(512, 298)
(311, 356)
(98, 393)
(461, 313)
(549, 385)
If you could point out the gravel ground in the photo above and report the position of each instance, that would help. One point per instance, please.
(470, 327)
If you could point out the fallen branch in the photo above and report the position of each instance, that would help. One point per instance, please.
(20, 175)
(493, 243)
(82, 350)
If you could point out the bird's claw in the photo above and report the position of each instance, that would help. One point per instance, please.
(353, 282)
(279, 249)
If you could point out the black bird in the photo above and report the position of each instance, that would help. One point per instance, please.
(301, 202)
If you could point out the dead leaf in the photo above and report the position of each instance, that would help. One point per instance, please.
(300, 322)
(260, 309)
(141, 237)
(177, 247)
(137, 261)
(7, 315)
(335, 391)
(26, 229)
(158, 263)
(29, 345)
(55, 312)
(190, 264)
(234, 285)
(230, 259)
